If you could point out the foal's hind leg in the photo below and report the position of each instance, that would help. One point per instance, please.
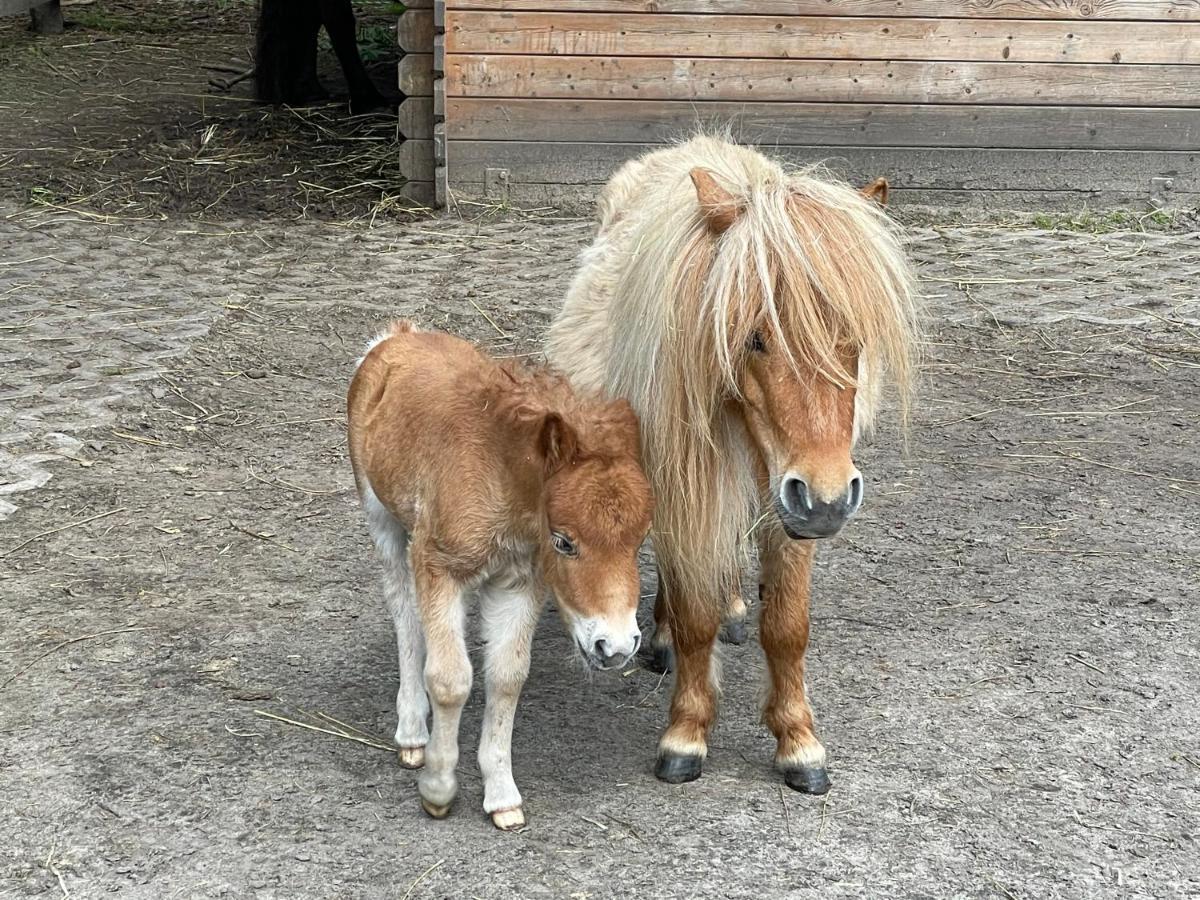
(694, 625)
(783, 621)
(399, 595)
(412, 704)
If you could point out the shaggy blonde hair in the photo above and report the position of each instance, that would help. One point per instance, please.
(662, 310)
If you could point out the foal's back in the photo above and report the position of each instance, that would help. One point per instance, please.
(423, 424)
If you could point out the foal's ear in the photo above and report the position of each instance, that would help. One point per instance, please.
(719, 207)
(877, 190)
(557, 442)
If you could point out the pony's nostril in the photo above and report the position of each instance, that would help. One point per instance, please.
(795, 496)
(855, 493)
(600, 648)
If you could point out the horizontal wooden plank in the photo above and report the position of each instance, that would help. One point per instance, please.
(819, 37)
(416, 160)
(1140, 10)
(416, 74)
(415, 118)
(420, 193)
(824, 124)
(414, 31)
(580, 199)
(841, 81)
(539, 162)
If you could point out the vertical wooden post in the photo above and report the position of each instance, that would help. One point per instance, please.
(441, 189)
(415, 33)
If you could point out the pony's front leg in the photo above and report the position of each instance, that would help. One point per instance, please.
(783, 622)
(694, 625)
(509, 613)
(447, 680)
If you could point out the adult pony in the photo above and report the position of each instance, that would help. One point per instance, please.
(750, 316)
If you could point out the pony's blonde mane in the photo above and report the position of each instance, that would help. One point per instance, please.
(812, 260)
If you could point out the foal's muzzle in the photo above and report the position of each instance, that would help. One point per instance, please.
(602, 655)
(805, 515)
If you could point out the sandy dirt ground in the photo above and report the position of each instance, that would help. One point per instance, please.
(1006, 646)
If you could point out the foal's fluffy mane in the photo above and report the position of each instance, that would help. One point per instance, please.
(810, 259)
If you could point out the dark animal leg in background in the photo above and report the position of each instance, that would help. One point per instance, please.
(338, 17)
(47, 18)
(286, 52)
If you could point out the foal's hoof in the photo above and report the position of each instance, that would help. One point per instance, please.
(437, 812)
(411, 757)
(734, 632)
(509, 819)
(807, 779)
(660, 658)
(677, 769)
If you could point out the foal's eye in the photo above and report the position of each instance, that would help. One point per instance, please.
(755, 343)
(564, 544)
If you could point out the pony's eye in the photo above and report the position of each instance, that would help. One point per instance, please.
(564, 544)
(755, 343)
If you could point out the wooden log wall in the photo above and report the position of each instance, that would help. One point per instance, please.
(418, 154)
(542, 99)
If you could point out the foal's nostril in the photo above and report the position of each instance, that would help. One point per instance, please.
(855, 494)
(795, 496)
(600, 649)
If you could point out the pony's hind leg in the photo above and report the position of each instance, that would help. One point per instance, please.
(783, 621)
(659, 655)
(733, 629)
(509, 608)
(694, 625)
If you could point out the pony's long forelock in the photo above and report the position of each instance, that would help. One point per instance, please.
(811, 260)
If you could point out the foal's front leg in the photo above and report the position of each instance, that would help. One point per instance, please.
(447, 680)
(783, 623)
(509, 611)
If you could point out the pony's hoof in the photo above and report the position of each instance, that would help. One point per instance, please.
(677, 769)
(509, 819)
(660, 659)
(734, 632)
(435, 811)
(807, 779)
(411, 757)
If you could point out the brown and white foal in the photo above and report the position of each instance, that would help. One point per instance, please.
(490, 480)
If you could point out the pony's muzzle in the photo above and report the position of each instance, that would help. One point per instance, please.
(806, 514)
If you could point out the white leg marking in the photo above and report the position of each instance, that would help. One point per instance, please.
(447, 682)
(509, 607)
(399, 594)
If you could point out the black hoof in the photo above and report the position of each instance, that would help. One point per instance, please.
(808, 779)
(675, 769)
(734, 632)
(659, 659)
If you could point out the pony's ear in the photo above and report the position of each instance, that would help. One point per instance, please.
(719, 207)
(877, 190)
(557, 442)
